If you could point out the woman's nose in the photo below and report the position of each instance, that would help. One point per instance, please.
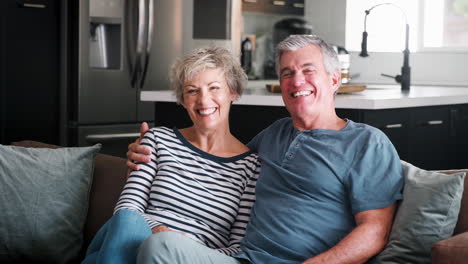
(203, 96)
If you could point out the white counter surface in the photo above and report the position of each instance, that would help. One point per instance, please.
(374, 97)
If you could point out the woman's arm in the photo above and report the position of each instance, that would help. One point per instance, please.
(246, 203)
(136, 192)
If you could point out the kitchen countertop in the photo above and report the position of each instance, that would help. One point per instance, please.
(374, 97)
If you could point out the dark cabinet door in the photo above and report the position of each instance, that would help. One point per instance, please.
(30, 66)
(283, 7)
(459, 136)
(246, 121)
(429, 137)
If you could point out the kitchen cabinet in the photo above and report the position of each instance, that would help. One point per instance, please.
(29, 70)
(459, 136)
(283, 7)
(430, 137)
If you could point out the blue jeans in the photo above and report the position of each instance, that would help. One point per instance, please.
(174, 248)
(119, 239)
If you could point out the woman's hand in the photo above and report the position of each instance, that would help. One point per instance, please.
(137, 152)
(160, 228)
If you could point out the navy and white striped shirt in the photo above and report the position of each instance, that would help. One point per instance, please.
(205, 196)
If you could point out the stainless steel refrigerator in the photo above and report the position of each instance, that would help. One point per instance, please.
(117, 48)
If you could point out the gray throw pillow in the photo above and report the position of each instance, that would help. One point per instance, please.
(43, 201)
(427, 214)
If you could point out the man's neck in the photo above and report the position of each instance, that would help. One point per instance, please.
(332, 122)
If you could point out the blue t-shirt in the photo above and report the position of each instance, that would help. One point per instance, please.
(311, 185)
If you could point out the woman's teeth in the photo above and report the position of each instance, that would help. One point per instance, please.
(207, 111)
(301, 93)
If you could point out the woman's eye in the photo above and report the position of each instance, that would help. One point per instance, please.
(214, 87)
(191, 91)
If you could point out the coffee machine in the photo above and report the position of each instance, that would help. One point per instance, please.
(281, 30)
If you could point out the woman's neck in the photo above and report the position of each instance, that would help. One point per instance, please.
(219, 142)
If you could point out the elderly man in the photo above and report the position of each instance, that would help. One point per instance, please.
(328, 186)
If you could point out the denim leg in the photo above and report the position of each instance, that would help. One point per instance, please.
(175, 248)
(119, 241)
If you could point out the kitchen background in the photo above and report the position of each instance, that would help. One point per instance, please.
(66, 76)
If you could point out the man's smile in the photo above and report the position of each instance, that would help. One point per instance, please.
(301, 93)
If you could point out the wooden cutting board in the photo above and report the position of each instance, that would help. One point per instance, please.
(344, 88)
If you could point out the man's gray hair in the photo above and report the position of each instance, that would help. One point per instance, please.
(187, 67)
(295, 42)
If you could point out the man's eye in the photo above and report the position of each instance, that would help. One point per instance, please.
(308, 70)
(286, 74)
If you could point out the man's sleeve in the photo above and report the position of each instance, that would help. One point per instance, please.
(376, 177)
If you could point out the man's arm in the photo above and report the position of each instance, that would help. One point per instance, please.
(137, 152)
(368, 238)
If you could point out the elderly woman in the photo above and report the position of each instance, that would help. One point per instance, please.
(200, 181)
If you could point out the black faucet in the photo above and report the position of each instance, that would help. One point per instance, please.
(405, 77)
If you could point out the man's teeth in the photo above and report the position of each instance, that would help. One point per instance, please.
(301, 93)
(207, 111)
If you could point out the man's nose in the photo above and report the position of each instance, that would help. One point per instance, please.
(299, 79)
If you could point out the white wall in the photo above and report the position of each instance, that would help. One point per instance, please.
(447, 68)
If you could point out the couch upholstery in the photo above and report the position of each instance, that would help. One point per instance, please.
(110, 176)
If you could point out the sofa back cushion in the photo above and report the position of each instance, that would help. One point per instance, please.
(462, 224)
(109, 177)
(427, 214)
(44, 202)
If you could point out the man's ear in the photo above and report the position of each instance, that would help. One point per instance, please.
(336, 80)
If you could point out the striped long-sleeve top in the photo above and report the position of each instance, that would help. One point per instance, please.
(188, 190)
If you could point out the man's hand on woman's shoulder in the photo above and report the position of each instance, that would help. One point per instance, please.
(137, 152)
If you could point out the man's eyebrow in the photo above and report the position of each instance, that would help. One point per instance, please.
(284, 69)
(307, 65)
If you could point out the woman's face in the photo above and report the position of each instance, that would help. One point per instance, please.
(207, 99)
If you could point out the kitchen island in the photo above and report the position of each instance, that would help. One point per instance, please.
(373, 98)
(428, 125)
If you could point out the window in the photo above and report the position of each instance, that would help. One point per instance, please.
(434, 24)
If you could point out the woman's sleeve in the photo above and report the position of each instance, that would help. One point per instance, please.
(135, 194)
(243, 215)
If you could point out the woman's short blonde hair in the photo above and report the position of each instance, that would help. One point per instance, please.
(187, 67)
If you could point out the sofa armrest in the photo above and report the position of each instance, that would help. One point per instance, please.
(452, 250)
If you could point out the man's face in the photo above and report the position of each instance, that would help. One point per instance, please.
(307, 89)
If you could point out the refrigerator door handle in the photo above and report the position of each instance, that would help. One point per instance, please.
(130, 40)
(141, 38)
(95, 138)
(149, 41)
(135, 50)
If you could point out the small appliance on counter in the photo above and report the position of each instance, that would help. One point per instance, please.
(345, 62)
(281, 30)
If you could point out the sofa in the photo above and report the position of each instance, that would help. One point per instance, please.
(110, 175)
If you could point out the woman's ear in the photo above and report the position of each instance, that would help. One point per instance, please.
(234, 97)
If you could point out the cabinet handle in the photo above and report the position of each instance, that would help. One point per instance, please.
(394, 126)
(298, 5)
(279, 3)
(434, 122)
(250, 1)
(28, 5)
(94, 138)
